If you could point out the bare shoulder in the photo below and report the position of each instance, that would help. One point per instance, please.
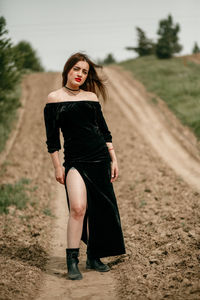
(53, 96)
(91, 96)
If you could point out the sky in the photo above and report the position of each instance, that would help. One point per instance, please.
(57, 29)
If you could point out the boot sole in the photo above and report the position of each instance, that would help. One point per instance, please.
(75, 277)
(91, 268)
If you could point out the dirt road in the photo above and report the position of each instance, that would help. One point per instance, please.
(156, 126)
(157, 192)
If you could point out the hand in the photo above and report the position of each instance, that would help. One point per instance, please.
(114, 170)
(60, 174)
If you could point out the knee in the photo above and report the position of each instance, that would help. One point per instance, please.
(78, 212)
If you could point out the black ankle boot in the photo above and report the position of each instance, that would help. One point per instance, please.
(72, 263)
(95, 263)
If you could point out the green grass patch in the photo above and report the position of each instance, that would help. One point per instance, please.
(47, 211)
(14, 194)
(174, 81)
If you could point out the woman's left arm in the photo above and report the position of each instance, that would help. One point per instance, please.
(108, 139)
(114, 165)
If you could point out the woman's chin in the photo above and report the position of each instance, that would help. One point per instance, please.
(76, 84)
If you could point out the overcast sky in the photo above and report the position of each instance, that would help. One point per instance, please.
(56, 29)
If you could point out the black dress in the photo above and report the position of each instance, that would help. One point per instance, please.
(85, 134)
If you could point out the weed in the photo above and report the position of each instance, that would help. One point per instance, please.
(13, 194)
(47, 212)
(142, 203)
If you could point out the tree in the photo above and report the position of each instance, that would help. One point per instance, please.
(27, 58)
(109, 59)
(9, 73)
(168, 44)
(106, 61)
(196, 48)
(145, 45)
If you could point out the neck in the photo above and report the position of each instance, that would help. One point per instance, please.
(72, 87)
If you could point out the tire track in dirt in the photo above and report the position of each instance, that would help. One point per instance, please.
(134, 102)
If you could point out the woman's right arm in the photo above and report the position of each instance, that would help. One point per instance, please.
(53, 140)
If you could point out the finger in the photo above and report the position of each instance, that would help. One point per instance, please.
(60, 179)
(114, 173)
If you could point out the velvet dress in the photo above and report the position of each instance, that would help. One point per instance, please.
(85, 134)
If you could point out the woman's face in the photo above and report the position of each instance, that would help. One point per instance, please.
(78, 74)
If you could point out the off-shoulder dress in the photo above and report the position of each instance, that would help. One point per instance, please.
(85, 134)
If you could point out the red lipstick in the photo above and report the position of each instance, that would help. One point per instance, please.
(78, 79)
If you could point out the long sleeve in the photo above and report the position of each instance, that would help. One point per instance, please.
(102, 125)
(52, 128)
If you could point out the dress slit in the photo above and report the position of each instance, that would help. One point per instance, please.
(105, 234)
(84, 237)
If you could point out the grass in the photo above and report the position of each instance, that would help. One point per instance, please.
(8, 109)
(14, 194)
(47, 211)
(174, 81)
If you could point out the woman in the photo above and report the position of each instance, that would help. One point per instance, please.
(90, 165)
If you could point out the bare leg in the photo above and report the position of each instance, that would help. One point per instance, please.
(78, 200)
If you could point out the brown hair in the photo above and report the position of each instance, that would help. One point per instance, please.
(93, 82)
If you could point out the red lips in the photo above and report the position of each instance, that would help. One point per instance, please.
(78, 79)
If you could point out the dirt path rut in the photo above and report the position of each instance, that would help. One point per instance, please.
(155, 127)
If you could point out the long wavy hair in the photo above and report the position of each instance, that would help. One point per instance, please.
(93, 82)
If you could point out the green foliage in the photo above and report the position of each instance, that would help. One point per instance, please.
(167, 44)
(14, 61)
(13, 194)
(9, 74)
(9, 81)
(8, 108)
(47, 211)
(196, 48)
(145, 45)
(109, 59)
(174, 82)
(26, 57)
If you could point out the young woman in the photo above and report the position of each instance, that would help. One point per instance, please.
(90, 164)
